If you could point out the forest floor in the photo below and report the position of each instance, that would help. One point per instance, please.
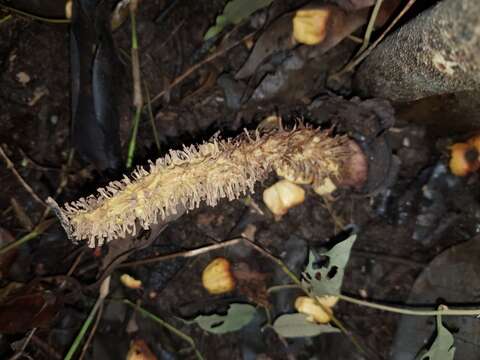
(400, 230)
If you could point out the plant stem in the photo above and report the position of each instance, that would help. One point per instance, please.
(152, 118)
(133, 140)
(34, 17)
(198, 65)
(5, 19)
(360, 57)
(137, 87)
(39, 229)
(162, 322)
(83, 330)
(282, 287)
(370, 26)
(411, 311)
(21, 180)
(444, 310)
(298, 283)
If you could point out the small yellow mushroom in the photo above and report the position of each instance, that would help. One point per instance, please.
(282, 196)
(68, 9)
(315, 312)
(328, 300)
(217, 277)
(310, 26)
(139, 350)
(130, 282)
(327, 187)
(475, 142)
(464, 159)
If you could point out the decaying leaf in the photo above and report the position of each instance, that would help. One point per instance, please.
(27, 307)
(328, 277)
(238, 315)
(234, 12)
(297, 325)
(442, 348)
(252, 284)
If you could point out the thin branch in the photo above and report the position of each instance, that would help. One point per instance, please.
(358, 59)
(133, 140)
(5, 19)
(152, 118)
(34, 17)
(27, 187)
(62, 183)
(21, 351)
(370, 26)
(195, 67)
(411, 311)
(184, 254)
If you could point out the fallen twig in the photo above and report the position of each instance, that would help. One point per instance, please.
(370, 26)
(11, 166)
(32, 16)
(21, 352)
(360, 57)
(152, 118)
(184, 254)
(195, 67)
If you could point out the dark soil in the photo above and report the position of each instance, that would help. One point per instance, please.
(401, 229)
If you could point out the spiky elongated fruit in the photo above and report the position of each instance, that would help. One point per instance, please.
(209, 172)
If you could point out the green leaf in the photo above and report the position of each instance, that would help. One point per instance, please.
(297, 325)
(238, 315)
(327, 279)
(234, 12)
(442, 348)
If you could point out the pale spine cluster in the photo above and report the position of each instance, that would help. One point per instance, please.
(210, 172)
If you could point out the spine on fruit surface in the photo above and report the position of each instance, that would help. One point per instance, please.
(205, 173)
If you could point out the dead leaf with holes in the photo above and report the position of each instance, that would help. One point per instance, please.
(324, 272)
